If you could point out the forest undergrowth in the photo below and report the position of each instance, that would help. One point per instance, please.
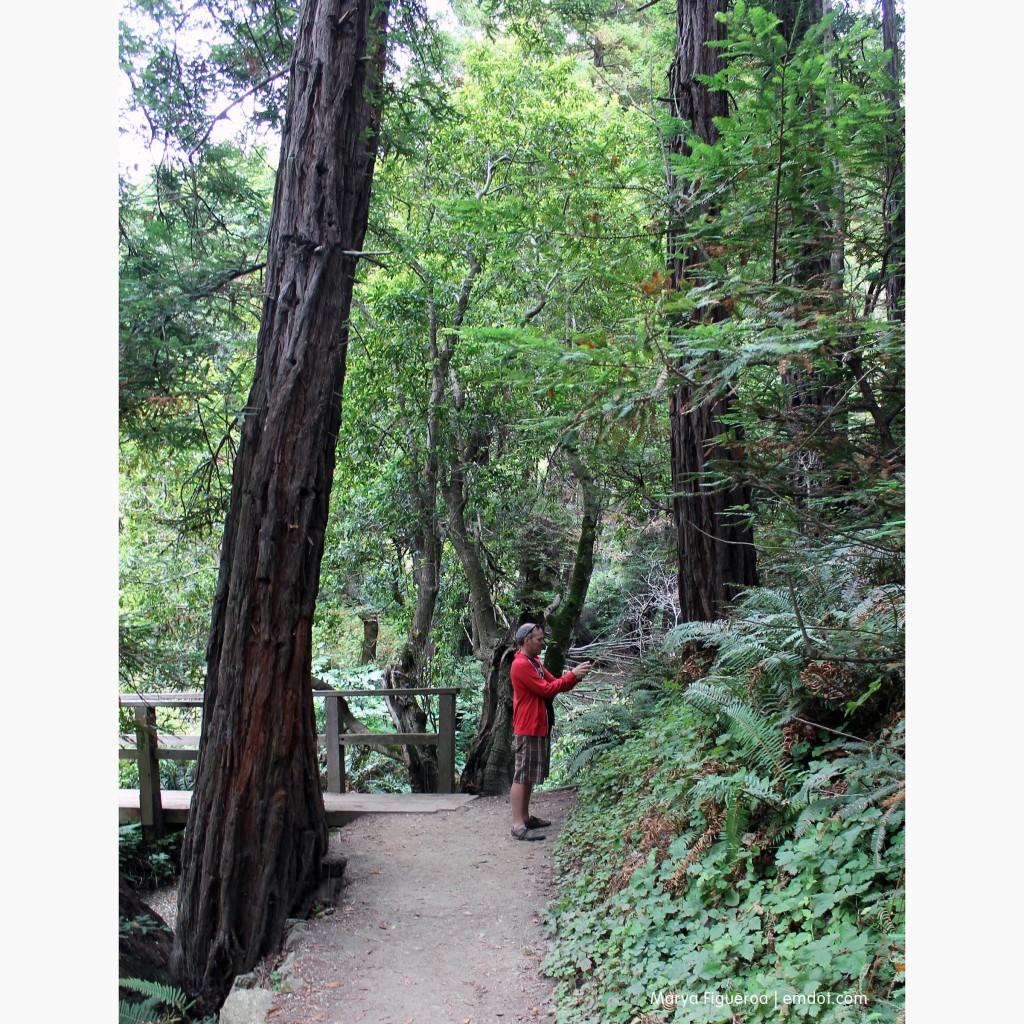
(738, 853)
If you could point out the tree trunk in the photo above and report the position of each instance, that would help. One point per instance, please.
(815, 395)
(489, 764)
(483, 616)
(371, 630)
(488, 768)
(895, 222)
(408, 672)
(562, 621)
(797, 16)
(491, 759)
(145, 941)
(256, 833)
(406, 713)
(714, 548)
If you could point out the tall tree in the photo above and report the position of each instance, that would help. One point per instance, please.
(486, 331)
(798, 181)
(256, 835)
(714, 545)
(895, 227)
(562, 620)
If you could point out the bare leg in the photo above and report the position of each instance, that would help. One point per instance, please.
(520, 797)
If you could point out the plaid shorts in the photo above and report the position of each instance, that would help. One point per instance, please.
(533, 759)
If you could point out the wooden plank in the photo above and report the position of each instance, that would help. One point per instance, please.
(390, 739)
(194, 699)
(186, 748)
(175, 805)
(160, 700)
(335, 753)
(168, 748)
(446, 744)
(162, 753)
(339, 808)
(420, 691)
(164, 739)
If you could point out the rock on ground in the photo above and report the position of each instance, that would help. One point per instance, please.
(246, 1006)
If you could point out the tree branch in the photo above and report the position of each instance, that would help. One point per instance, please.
(234, 103)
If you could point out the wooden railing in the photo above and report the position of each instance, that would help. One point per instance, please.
(151, 746)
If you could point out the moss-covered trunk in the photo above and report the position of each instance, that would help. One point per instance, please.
(561, 623)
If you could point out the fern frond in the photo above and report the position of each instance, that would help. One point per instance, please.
(861, 803)
(707, 696)
(706, 633)
(881, 830)
(157, 994)
(138, 1013)
(762, 791)
(741, 658)
(759, 738)
(587, 753)
(781, 671)
(737, 816)
(167, 994)
(720, 788)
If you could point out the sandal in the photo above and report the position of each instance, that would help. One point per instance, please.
(534, 822)
(526, 833)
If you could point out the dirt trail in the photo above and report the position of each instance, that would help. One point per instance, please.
(440, 922)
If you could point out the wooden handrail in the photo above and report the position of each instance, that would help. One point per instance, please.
(148, 753)
(195, 698)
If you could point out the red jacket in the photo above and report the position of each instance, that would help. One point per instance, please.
(529, 715)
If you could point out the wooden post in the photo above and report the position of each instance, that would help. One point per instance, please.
(371, 629)
(151, 811)
(335, 751)
(446, 743)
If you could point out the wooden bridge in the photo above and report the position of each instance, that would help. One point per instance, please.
(156, 808)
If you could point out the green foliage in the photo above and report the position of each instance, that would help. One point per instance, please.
(161, 1004)
(147, 865)
(192, 244)
(790, 211)
(664, 893)
(733, 837)
(590, 729)
(173, 774)
(522, 178)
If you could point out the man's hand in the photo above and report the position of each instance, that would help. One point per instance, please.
(579, 671)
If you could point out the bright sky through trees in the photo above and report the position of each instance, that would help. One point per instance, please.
(139, 151)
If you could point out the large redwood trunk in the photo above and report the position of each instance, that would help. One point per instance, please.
(895, 219)
(256, 833)
(714, 548)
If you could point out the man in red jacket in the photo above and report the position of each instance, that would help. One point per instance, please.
(533, 687)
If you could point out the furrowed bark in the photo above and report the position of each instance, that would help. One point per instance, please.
(895, 206)
(714, 548)
(256, 834)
